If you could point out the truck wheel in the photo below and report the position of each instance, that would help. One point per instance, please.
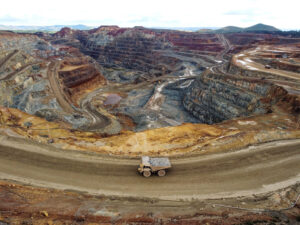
(146, 173)
(161, 173)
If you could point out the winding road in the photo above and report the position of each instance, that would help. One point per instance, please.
(97, 120)
(254, 170)
(57, 89)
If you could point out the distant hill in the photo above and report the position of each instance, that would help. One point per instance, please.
(53, 28)
(229, 29)
(205, 31)
(261, 27)
(232, 29)
(191, 29)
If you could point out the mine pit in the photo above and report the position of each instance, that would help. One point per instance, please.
(78, 108)
(160, 78)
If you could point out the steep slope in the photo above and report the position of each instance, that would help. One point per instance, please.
(154, 51)
(213, 98)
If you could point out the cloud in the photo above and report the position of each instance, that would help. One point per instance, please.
(149, 21)
(249, 12)
(154, 13)
(10, 19)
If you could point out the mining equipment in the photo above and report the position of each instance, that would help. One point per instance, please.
(267, 66)
(151, 165)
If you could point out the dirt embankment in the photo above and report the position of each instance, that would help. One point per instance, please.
(31, 205)
(188, 138)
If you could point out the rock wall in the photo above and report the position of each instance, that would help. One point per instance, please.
(73, 78)
(213, 98)
(149, 50)
(131, 50)
(79, 76)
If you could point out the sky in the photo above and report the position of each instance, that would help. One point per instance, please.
(283, 14)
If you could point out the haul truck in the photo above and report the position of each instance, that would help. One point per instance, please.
(154, 165)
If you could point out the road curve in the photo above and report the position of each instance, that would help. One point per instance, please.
(57, 90)
(253, 170)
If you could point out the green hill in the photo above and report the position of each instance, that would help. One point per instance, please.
(229, 29)
(261, 27)
(233, 29)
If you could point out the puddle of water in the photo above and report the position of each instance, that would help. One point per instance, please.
(112, 99)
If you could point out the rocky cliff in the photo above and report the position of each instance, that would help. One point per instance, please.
(78, 76)
(149, 50)
(213, 98)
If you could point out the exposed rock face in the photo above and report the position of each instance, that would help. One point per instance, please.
(79, 76)
(128, 48)
(67, 87)
(131, 52)
(150, 53)
(152, 71)
(148, 50)
(242, 41)
(213, 98)
(82, 74)
(64, 33)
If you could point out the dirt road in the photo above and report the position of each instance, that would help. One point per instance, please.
(254, 170)
(57, 90)
(245, 61)
(226, 44)
(8, 57)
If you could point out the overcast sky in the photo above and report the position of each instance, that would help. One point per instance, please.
(283, 14)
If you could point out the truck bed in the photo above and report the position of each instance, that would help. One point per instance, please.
(156, 162)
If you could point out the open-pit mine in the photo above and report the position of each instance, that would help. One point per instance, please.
(78, 108)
